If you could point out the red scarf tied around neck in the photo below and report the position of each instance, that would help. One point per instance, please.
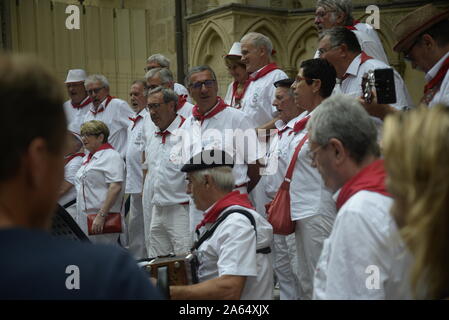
(234, 198)
(370, 178)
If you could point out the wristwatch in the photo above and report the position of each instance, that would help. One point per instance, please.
(102, 214)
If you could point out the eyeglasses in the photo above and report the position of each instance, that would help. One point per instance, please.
(298, 79)
(89, 135)
(311, 154)
(199, 84)
(322, 51)
(96, 90)
(154, 105)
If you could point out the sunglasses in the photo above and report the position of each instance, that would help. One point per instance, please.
(199, 84)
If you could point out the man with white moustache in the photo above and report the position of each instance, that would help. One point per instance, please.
(134, 175)
(114, 112)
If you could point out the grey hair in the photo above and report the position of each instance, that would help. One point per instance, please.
(340, 6)
(96, 78)
(259, 40)
(160, 60)
(143, 83)
(340, 35)
(196, 70)
(168, 95)
(222, 177)
(344, 118)
(165, 75)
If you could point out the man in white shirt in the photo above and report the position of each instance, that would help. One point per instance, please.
(333, 13)
(114, 112)
(364, 257)
(158, 60)
(234, 260)
(163, 77)
(169, 230)
(256, 50)
(423, 38)
(134, 175)
(214, 124)
(78, 105)
(340, 47)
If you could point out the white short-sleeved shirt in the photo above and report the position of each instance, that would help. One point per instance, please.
(231, 250)
(105, 167)
(352, 85)
(308, 195)
(116, 116)
(75, 116)
(135, 148)
(167, 185)
(442, 96)
(70, 170)
(227, 131)
(364, 257)
(186, 110)
(257, 103)
(181, 90)
(228, 97)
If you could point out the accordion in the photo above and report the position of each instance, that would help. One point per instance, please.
(172, 270)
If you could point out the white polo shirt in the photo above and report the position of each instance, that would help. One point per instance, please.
(364, 257)
(75, 116)
(226, 131)
(352, 85)
(105, 167)
(70, 170)
(257, 103)
(135, 147)
(181, 90)
(116, 116)
(308, 195)
(442, 96)
(231, 250)
(167, 185)
(186, 110)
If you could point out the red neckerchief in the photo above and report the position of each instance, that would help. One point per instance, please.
(72, 156)
(433, 86)
(234, 198)
(300, 125)
(108, 99)
(135, 120)
(261, 73)
(182, 98)
(352, 27)
(215, 110)
(363, 58)
(280, 132)
(370, 178)
(82, 105)
(104, 146)
(165, 133)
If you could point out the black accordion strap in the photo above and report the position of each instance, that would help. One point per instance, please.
(211, 231)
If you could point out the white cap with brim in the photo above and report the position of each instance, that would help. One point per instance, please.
(235, 50)
(76, 75)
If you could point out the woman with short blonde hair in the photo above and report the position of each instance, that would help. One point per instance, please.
(416, 147)
(99, 182)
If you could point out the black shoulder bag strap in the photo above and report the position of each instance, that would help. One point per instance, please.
(212, 229)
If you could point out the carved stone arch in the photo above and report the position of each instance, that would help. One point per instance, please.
(271, 29)
(204, 48)
(303, 43)
(209, 48)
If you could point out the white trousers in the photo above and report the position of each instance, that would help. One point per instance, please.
(284, 252)
(169, 231)
(136, 231)
(310, 234)
(147, 213)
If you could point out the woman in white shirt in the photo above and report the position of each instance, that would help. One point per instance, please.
(99, 183)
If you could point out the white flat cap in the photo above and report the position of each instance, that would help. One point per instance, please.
(76, 75)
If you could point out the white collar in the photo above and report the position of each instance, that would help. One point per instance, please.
(434, 70)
